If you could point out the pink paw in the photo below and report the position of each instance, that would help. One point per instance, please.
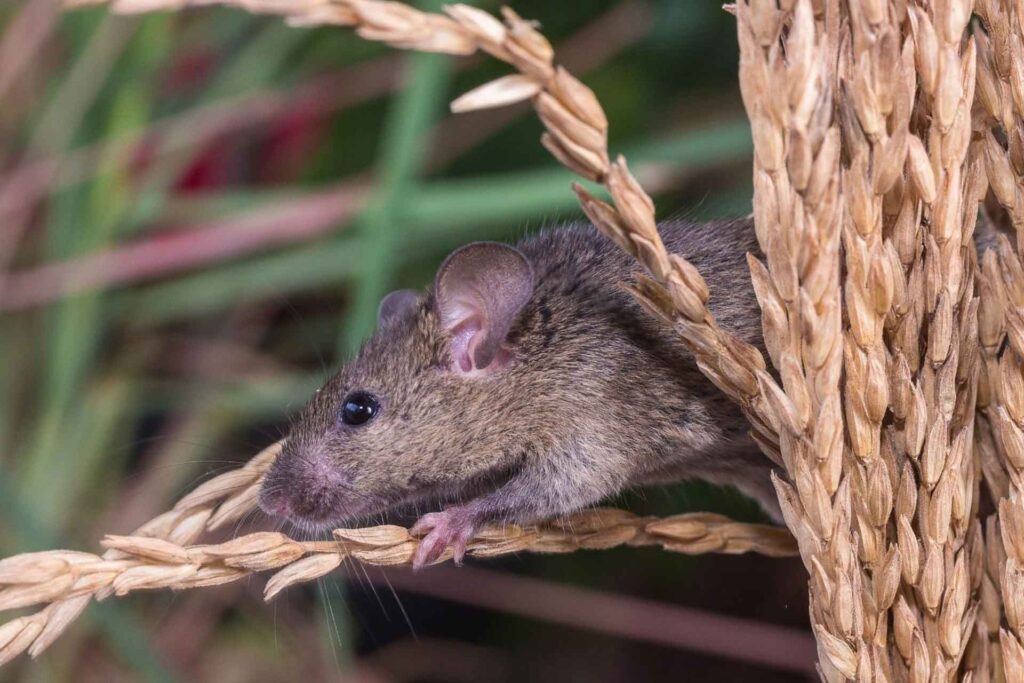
(453, 528)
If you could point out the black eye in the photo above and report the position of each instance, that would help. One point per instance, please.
(359, 408)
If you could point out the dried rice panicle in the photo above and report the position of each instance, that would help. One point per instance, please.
(1000, 431)
(66, 581)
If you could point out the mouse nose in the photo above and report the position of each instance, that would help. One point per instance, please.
(306, 488)
(276, 505)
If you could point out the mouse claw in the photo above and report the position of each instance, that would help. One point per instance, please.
(452, 528)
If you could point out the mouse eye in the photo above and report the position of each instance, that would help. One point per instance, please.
(358, 408)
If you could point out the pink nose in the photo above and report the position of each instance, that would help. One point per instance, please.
(307, 488)
(276, 505)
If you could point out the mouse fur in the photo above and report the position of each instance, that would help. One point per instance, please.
(526, 383)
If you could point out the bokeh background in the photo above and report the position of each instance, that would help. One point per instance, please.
(199, 213)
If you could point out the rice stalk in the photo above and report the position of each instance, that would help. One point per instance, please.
(1000, 439)
(885, 515)
(222, 500)
(787, 68)
(935, 364)
(162, 553)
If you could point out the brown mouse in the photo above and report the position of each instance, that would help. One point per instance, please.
(526, 383)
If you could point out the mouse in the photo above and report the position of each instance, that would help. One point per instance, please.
(525, 383)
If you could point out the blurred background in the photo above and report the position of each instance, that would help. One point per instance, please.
(199, 213)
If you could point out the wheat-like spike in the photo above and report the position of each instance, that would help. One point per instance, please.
(210, 506)
(940, 375)
(909, 193)
(879, 70)
(788, 68)
(139, 562)
(162, 553)
(912, 188)
(998, 441)
(1001, 97)
(1000, 436)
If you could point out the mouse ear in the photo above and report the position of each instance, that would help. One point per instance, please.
(479, 291)
(397, 304)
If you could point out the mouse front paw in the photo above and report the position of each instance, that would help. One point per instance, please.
(454, 528)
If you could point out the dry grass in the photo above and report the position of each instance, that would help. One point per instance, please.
(872, 155)
(163, 554)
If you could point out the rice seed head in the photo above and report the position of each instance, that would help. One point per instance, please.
(301, 571)
(497, 93)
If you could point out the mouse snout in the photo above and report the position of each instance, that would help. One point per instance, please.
(304, 488)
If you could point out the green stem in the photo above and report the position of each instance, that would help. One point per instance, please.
(401, 160)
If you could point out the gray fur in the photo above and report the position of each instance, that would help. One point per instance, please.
(397, 303)
(599, 396)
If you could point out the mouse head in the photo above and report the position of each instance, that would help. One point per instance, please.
(407, 420)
